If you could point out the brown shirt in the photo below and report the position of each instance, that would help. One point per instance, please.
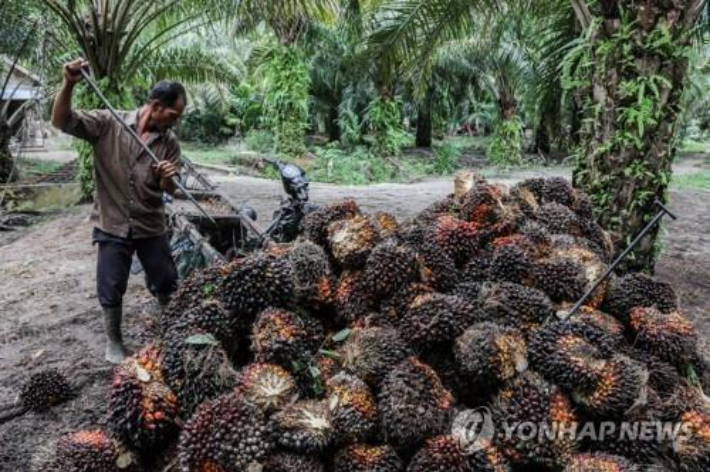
(128, 197)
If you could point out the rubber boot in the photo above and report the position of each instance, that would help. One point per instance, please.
(115, 350)
(163, 301)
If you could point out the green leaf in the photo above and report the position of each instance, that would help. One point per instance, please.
(342, 335)
(331, 354)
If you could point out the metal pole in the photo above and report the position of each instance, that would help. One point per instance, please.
(145, 148)
(663, 211)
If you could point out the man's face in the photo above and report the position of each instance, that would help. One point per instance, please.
(164, 118)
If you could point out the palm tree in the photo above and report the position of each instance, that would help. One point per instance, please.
(627, 73)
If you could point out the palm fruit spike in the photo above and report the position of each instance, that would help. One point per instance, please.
(692, 446)
(91, 451)
(490, 354)
(529, 398)
(352, 299)
(353, 408)
(199, 286)
(451, 454)
(620, 386)
(371, 353)
(572, 355)
(514, 305)
(258, 282)
(225, 434)
(413, 403)
(390, 267)
(367, 458)
(352, 240)
(594, 269)
(315, 225)
(312, 275)
(438, 269)
(386, 224)
(663, 377)
(311, 378)
(196, 367)
(284, 338)
(672, 337)
(598, 462)
(44, 390)
(305, 427)
(638, 290)
(436, 319)
(288, 462)
(142, 411)
(563, 279)
(457, 238)
(267, 386)
(482, 204)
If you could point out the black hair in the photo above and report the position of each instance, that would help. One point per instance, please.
(167, 93)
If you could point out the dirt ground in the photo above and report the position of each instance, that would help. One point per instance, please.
(49, 314)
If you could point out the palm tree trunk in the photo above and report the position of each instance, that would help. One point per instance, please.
(333, 125)
(425, 122)
(631, 118)
(6, 173)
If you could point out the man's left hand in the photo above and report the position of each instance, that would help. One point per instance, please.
(165, 170)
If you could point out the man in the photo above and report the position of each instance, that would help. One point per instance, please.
(128, 212)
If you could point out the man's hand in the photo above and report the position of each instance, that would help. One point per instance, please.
(72, 70)
(166, 170)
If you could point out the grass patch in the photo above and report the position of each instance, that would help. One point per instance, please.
(695, 181)
(201, 154)
(695, 147)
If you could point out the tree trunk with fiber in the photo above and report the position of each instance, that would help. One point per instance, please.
(636, 66)
(425, 122)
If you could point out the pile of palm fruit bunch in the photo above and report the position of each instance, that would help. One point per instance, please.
(357, 348)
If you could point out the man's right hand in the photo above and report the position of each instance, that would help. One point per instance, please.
(72, 70)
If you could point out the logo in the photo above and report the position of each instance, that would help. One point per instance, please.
(474, 428)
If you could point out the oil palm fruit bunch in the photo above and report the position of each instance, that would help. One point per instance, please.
(367, 458)
(44, 390)
(445, 206)
(390, 267)
(312, 274)
(258, 282)
(570, 354)
(314, 226)
(289, 462)
(142, 409)
(671, 337)
(196, 365)
(353, 408)
(225, 434)
(621, 384)
(692, 446)
(594, 269)
(413, 404)
(436, 319)
(395, 307)
(371, 353)
(200, 285)
(267, 386)
(451, 454)
(208, 315)
(510, 263)
(386, 224)
(283, 337)
(612, 327)
(490, 354)
(305, 426)
(437, 268)
(351, 241)
(476, 270)
(599, 462)
(510, 304)
(562, 278)
(638, 290)
(483, 205)
(353, 299)
(459, 239)
(663, 378)
(93, 451)
(530, 398)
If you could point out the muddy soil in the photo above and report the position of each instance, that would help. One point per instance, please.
(49, 314)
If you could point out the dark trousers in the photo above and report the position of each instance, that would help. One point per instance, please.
(114, 265)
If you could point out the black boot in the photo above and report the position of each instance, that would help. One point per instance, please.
(115, 350)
